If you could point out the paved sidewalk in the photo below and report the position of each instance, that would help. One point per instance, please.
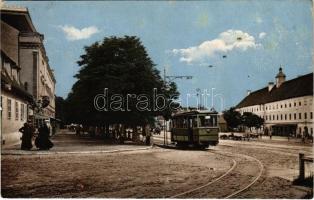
(66, 142)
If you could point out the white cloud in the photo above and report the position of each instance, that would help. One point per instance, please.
(262, 35)
(73, 33)
(226, 41)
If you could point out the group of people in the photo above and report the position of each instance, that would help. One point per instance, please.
(42, 141)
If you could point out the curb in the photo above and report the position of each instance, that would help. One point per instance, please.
(75, 152)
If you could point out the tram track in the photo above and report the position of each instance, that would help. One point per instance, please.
(232, 182)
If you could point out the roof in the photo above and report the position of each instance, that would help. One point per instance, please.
(16, 88)
(9, 42)
(298, 87)
(18, 17)
(195, 112)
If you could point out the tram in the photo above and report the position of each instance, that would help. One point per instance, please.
(197, 128)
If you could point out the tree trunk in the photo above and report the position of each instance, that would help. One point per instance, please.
(135, 135)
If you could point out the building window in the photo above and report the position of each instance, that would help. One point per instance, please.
(289, 116)
(311, 131)
(295, 115)
(300, 116)
(289, 105)
(16, 110)
(285, 116)
(273, 117)
(311, 115)
(285, 105)
(305, 115)
(9, 109)
(22, 112)
(281, 117)
(277, 117)
(299, 103)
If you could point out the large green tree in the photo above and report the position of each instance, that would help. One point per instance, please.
(122, 65)
(251, 120)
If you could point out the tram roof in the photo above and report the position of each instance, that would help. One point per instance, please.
(195, 112)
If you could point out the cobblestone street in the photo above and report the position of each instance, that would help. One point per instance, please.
(84, 167)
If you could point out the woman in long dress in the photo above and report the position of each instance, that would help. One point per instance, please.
(27, 134)
(42, 141)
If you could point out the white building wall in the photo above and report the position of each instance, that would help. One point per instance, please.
(10, 125)
(297, 111)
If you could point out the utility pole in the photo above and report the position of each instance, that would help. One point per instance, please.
(170, 79)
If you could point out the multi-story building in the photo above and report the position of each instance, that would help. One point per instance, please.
(14, 98)
(286, 106)
(36, 74)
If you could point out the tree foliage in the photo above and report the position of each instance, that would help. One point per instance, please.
(251, 120)
(248, 119)
(123, 66)
(232, 117)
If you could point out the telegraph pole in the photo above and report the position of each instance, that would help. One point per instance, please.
(170, 79)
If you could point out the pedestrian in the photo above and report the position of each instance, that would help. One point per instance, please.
(27, 134)
(42, 141)
(270, 135)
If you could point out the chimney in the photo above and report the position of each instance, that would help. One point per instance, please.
(270, 86)
(248, 92)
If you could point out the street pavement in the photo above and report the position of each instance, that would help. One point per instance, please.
(66, 142)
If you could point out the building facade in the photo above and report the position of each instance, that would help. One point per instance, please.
(15, 100)
(35, 76)
(286, 106)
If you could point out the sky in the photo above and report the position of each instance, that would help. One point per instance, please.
(228, 46)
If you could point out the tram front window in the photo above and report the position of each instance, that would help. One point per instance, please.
(208, 121)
